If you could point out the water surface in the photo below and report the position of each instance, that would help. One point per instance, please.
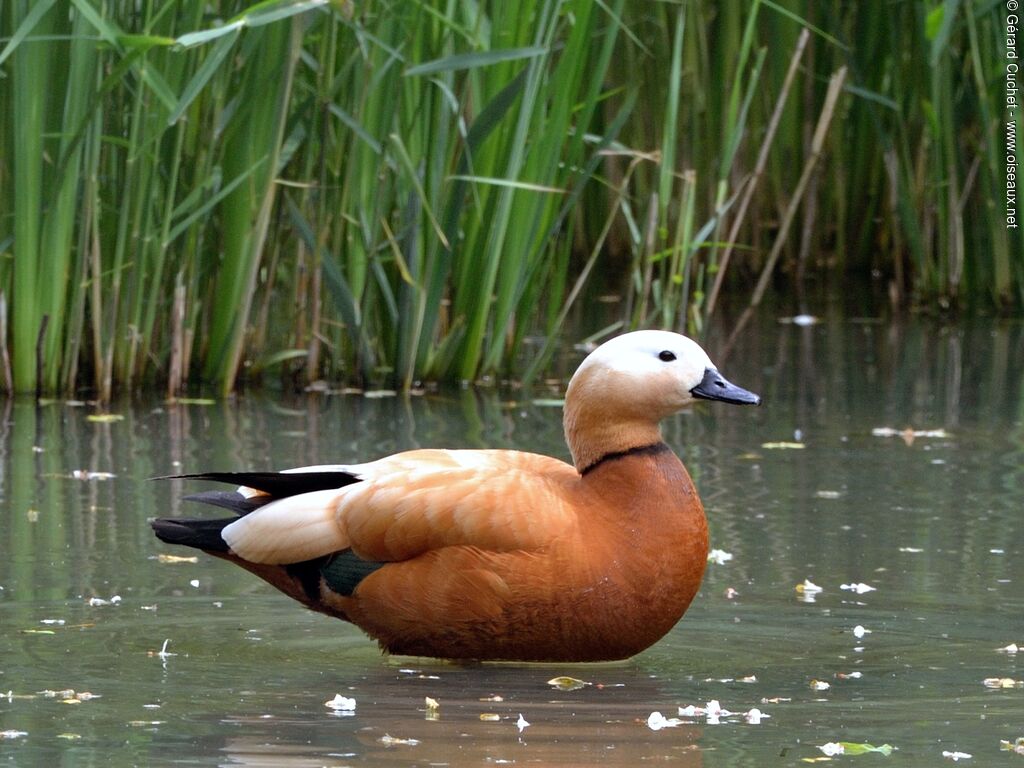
(804, 488)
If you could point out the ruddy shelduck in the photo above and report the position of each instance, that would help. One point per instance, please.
(497, 554)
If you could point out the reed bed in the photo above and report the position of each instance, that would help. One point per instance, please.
(390, 192)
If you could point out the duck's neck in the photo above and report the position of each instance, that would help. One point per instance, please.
(594, 434)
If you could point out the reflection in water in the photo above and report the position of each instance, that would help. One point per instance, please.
(577, 728)
(933, 523)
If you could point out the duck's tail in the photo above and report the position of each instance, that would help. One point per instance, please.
(192, 532)
(340, 571)
(264, 487)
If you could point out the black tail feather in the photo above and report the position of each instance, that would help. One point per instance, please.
(232, 500)
(201, 534)
(277, 484)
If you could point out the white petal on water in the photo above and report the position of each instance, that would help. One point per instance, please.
(956, 756)
(860, 631)
(860, 587)
(809, 586)
(341, 703)
(754, 716)
(656, 721)
(714, 709)
(719, 556)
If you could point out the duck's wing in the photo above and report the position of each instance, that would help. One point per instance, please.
(414, 502)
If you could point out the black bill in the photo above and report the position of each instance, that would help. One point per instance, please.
(714, 386)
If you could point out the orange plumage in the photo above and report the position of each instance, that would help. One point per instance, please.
(497, 554)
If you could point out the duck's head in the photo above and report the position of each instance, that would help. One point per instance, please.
(626, 386)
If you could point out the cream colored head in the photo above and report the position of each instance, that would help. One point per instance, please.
(630, 383)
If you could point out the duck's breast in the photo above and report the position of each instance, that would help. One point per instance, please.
(644, 550)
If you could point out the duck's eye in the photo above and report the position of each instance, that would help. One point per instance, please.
(666, 355)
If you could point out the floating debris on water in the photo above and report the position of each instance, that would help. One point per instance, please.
(808, 591)
(565, 683)
(956, 756)
(521, 723)
(163, 653)
(79, 697)
(754, 716)
(1002, 682)
(744, 679)
(392, 741)
(656, 721)
(833, 748)
(1017, 745)
(341, 703)
(860, 588)
(64, 694)
(95, 602)
(859, 631)
(713, 712)
(163, 558)
(719, 556)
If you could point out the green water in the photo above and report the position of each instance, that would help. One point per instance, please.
(932, 522)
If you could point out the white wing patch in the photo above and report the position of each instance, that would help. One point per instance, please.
(290, 530)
